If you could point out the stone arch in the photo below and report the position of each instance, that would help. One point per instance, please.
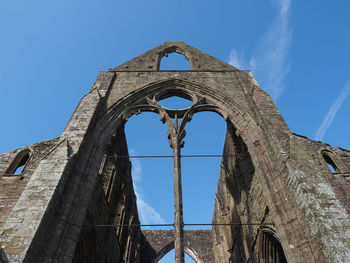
(170, 246)
(270, 248)
(197, 244)
(331, 159)
(230, 110)
(246, 125)
(192, 253)
(162, 252)
(265, 157)
(109, 119)
(21, 159)
(173, 49)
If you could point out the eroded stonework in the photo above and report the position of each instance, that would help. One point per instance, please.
(276, 200)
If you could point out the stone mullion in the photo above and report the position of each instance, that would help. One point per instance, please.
(176, 133)
(179, 246)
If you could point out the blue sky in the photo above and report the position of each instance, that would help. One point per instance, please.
(52, 51)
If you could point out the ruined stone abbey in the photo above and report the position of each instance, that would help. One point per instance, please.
(277, 200)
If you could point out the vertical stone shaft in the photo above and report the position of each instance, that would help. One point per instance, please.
(179, 245)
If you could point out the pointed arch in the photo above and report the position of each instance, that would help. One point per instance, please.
(333, 162)
(266, 147)
(162, 252)
(170, 246)
(271, 250)
(228, 108)
(263, 151)
(174, 61)
(19, 162)
(173, 49)
(193, 254)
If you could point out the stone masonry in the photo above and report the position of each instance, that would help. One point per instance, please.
(277, 199)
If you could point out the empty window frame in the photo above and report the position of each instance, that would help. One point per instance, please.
(18, 164)
(173, 59)
(329, 159)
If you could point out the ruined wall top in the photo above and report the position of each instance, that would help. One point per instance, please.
(198, 60)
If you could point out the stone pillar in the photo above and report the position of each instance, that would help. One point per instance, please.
(179, 244)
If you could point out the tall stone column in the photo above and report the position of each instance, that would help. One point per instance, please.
(179, 244)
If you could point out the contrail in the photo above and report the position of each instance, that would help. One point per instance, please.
(332, 112)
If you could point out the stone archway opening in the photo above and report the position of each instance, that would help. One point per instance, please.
(246, 147)
(174, 61)
(205, 135)
(167, 253)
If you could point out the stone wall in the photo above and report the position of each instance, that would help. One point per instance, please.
(239, 200)
(157, 243)
(13, 185)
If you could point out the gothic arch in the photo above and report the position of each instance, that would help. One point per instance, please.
(262, 154)
(21, 159)
(270, 248)
(230, 110)
(331, 159)
(173, 49)
(165, 250)
(192, 253)
(170, 246)
(234, 113)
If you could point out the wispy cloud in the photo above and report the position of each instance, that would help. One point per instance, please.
(148, 215)
(237, 59)
(332, 112)
(269, 61)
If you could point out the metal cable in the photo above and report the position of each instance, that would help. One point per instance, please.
(171, 156)
(213, 224)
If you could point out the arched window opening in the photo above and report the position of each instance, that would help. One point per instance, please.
(271, 249)
(155, 167)
(174, 61)
(18, 164)
(170, 258)
(331, 164)
(205, 136)
(22, 162)
(152, 176)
